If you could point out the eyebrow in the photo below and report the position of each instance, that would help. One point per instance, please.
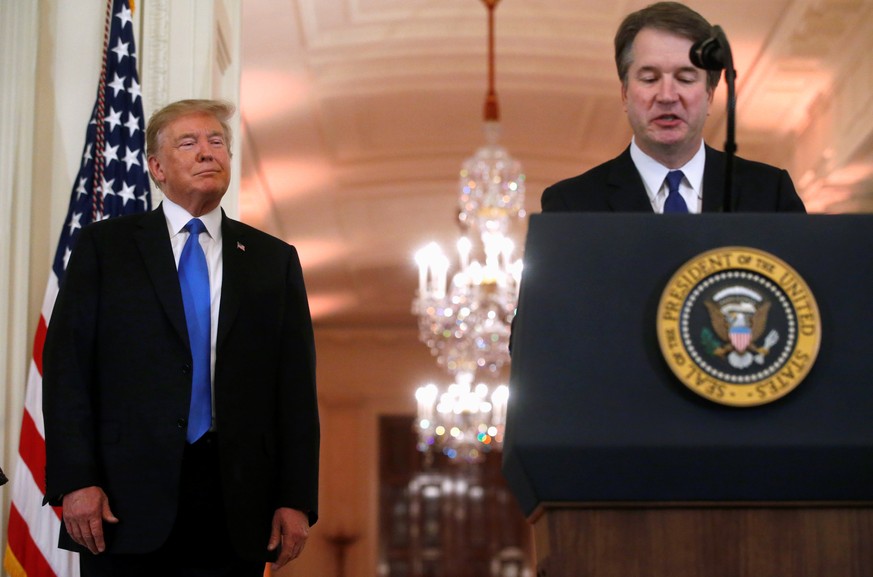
(658, 70)
(211, 134)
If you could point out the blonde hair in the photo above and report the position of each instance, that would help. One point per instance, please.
(218, 109)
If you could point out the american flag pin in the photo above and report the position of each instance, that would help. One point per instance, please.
(241, 246)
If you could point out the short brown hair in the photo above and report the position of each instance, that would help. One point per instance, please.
(670, 17)
(219, 109)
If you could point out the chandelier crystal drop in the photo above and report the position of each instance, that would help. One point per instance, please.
(465, 319)
(491, 186)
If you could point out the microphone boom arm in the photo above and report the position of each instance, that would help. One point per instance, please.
(730, 144)
(714, 53)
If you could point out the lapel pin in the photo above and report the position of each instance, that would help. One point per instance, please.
(241, 246)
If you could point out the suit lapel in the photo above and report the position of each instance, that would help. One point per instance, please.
(153, 242)
(627, 193)
(713, 181)
(234, 265)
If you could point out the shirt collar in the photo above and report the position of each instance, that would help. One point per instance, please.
(653, 172)
(177, 217)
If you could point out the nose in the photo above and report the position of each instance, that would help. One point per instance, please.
(667, 89)
(204, 152)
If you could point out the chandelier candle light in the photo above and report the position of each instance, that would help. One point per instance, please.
(466, 319)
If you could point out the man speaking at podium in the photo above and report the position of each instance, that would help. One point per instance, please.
(668, 167)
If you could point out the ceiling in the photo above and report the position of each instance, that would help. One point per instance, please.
(357, 115)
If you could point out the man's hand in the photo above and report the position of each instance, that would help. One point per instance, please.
(84, 513)
(290, 530)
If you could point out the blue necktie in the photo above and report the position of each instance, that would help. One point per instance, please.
(675, 202)
(194, 280)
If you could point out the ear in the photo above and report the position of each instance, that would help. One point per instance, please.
(624, 95)
(156, 170)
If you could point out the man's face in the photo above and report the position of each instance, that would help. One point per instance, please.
(192, 164)
(665, 97)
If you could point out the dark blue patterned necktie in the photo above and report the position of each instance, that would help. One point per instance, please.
(194, 280)
(675, 202)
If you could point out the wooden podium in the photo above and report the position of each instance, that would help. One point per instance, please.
(626, 472)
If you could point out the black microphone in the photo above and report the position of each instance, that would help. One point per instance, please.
(714, 53)
(708, 54)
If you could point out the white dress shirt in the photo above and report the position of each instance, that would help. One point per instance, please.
(654, 175)
(177, 218)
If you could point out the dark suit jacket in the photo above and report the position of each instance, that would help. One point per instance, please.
(616, 186)
(117, 382)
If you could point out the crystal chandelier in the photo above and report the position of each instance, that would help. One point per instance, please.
(464, 422)
(465, 319)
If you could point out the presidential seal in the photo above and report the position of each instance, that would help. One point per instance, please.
(738, 326)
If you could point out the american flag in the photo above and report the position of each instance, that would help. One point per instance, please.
(112, 181)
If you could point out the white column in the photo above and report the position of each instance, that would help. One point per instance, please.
(18, 49)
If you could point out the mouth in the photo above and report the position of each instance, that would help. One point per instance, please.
(667, 120)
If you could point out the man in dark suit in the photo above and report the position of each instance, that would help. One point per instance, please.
(667, 99)
(173, 453)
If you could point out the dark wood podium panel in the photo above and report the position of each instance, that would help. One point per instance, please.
(703, 540)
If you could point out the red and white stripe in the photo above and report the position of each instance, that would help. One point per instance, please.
(31, 549)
